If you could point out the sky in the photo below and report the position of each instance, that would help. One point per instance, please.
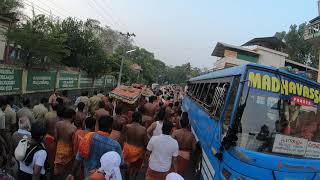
(181, 31)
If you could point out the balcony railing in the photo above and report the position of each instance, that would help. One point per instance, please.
(312, 31)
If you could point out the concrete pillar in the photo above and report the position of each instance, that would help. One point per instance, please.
(24, 80)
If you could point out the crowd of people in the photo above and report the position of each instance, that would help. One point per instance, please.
(95, 137)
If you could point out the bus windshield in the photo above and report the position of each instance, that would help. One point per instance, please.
(281, 119)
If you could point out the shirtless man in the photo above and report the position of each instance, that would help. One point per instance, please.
(146, 120)
(119, 121)
(169, 111)
(100, 112)
(109, 105)
(176, 118)
(80, 115)
(64, 137)
(135, 140)
(51, 119)
(187, 143)
(151, 106)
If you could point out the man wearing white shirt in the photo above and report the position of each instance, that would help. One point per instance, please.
(164, 151)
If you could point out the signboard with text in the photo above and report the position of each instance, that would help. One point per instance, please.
(99, 82)
(85, 81)
(68, 80)
(289, 145)
(313, 150)
(10, 80)
(41, 80)
(109, 81)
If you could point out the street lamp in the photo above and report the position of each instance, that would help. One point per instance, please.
(121, 66)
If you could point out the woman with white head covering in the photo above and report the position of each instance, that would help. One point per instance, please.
(110, 165)
(174, 176)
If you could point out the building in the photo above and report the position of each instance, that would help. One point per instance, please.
(266, 50)
(6, 21)
(312, 33)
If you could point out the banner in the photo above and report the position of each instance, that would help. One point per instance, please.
(10, 80)
(68, 80)
(99, 82)
(41, 80)
(289, 87)
(85, 81)
(109, 81)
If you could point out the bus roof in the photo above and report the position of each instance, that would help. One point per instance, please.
(237, 70)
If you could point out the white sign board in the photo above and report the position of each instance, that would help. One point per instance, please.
(313, 150)
(289, 145)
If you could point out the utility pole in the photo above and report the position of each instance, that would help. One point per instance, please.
(127, 36)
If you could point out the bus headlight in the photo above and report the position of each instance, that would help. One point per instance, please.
(229, 174)
(226, 174)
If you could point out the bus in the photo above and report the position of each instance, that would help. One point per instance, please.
(255, 122)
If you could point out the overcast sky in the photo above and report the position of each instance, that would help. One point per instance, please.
(180, 31)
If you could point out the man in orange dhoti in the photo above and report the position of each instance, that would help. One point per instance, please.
(135, 140)
(186, 142)
(64, 136)
(119, 121)
(89, 125)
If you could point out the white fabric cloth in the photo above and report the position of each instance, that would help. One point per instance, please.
(24, 132)
(158, 130)
(38, 159)
(163, 148)
(174, 176)
(110, 163)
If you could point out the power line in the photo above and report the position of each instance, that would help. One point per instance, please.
(106, 12)
(63, 14)
(45, 12)
(59, 7)
(42, 10)
(96, 11)
(108, 6)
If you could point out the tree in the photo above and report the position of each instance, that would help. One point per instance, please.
(40, 40)
(298, 49)
(10, 6)
(181, 74)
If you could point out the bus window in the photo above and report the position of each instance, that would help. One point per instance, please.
(204, 92)
(219, 98)
(199, 90)
(190, 89)
(209, 97)
(195, 90)
(229, 107)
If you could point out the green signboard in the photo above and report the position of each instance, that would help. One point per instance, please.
(68, 80)
(99, 82)
(109, 81)
(85, 81)
(41, 80)
(10, 80)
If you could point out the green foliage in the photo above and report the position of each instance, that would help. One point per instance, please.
(10, 6)
(39, 39)
(298, 49)
(180, 74)
(95, 49)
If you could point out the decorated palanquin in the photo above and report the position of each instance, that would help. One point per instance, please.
(126, 94)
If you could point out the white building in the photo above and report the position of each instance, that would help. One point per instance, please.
(266, 51)
(5, 22)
